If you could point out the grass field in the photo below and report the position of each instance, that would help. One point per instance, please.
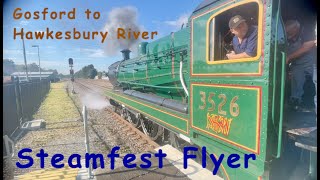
(57, 105)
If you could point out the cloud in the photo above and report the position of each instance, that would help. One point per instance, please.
(31, 53)
(17, 52)
(10, 58)
(98, 53)
(94, 53)
(12, 51)
(24, 23)
(177, 23)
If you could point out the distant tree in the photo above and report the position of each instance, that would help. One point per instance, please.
(8, 67)
(86, 72)
(92, 73)
(20, 68)
(63, 76)
(33, 67)
(55, 72)
(99, 75)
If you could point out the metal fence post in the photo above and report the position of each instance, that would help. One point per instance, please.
(17, 97)
(84, 113)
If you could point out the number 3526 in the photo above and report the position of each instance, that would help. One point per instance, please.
(234, 108)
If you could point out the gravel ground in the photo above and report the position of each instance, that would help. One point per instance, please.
(103, 125)
(66, 136)
(8, 169)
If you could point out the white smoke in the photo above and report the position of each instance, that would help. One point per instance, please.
(94, 101)
(125, 18)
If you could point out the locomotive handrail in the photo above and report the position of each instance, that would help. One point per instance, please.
(139, 84)
(283, 76)
(176, 50)
(182, 53)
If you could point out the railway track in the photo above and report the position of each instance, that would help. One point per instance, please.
(128, 129)
(102, 84)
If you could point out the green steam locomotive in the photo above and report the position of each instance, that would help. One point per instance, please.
(183, 87)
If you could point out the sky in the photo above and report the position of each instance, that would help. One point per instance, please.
(163, 16)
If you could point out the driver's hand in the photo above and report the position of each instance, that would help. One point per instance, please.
(230, 54)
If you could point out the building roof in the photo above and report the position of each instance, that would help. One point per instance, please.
(33, 76)
(31, 73)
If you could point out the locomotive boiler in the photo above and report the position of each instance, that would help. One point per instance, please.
(157, 74)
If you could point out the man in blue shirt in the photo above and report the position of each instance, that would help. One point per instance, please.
(301, 57)
(245, 39)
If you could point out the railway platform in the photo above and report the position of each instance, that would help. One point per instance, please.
(172, 169)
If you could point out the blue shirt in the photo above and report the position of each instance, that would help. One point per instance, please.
(248, 44)
(308, 58)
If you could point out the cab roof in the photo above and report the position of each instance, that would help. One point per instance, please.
(204, 4)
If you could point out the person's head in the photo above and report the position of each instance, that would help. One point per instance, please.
(292, 29)
(238, 26)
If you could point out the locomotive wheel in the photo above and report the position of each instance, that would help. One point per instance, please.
(133, 119)
(151, 129)
(123, 113)
(129, 118)
(114, 109)
(118, 110)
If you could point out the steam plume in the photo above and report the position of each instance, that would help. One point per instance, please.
(94, 101)
(125, 17)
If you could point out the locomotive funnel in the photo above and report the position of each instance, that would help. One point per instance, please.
(126, 54)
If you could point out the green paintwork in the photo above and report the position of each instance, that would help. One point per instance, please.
(158, 68)
(169, 118)
(250, 131)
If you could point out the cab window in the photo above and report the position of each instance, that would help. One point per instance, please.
(221, 40)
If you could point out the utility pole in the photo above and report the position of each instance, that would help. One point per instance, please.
(37, 46)
(25, 59)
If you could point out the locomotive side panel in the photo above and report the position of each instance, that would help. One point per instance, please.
(229, 98)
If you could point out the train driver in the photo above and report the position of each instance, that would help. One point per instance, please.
(245, 39)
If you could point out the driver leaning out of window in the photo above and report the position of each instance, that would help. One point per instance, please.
(245, 40)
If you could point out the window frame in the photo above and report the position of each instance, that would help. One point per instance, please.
(259, 39)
